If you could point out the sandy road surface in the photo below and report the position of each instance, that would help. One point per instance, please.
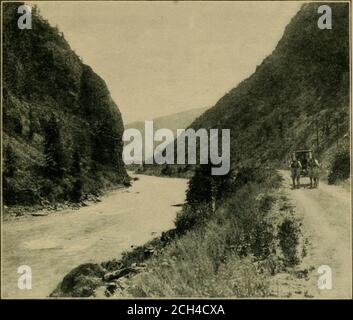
(327, 222)
(53, 245)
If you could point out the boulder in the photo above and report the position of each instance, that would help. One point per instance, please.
(80, 282)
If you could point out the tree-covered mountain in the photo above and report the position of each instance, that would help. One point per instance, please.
(61, 129)
(298, 98)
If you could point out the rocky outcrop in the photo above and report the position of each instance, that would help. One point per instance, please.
(93, 280)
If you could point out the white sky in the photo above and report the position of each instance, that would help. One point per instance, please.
(159, 58)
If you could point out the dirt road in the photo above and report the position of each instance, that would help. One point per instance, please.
(53, 245)
(327, 223)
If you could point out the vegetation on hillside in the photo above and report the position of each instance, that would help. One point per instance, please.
(298, 98)
(62, 131)
(339, 169)
(230, 252)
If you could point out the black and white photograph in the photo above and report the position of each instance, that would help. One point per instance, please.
(176, 150)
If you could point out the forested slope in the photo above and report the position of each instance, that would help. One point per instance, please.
(61, 129)
(298, 97)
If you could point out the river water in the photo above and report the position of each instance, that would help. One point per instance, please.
(53, 245)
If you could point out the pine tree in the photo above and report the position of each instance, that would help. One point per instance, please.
(76, 193)
(10, 159)
(31, 119)
(200, 186)
(223, 187)
(53, 150)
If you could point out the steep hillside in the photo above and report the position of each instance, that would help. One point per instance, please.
(299, 91)
(62, 130)
(298, 97)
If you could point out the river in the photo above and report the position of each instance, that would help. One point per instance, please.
(52, 245)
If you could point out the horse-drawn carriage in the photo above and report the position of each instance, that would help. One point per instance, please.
(303, 157)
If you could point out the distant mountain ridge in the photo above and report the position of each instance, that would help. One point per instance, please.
(180, 120)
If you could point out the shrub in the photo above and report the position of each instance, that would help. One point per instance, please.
(340, 167)
(192, 215)
(200, 186)
(289, 239)
(247, 210)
